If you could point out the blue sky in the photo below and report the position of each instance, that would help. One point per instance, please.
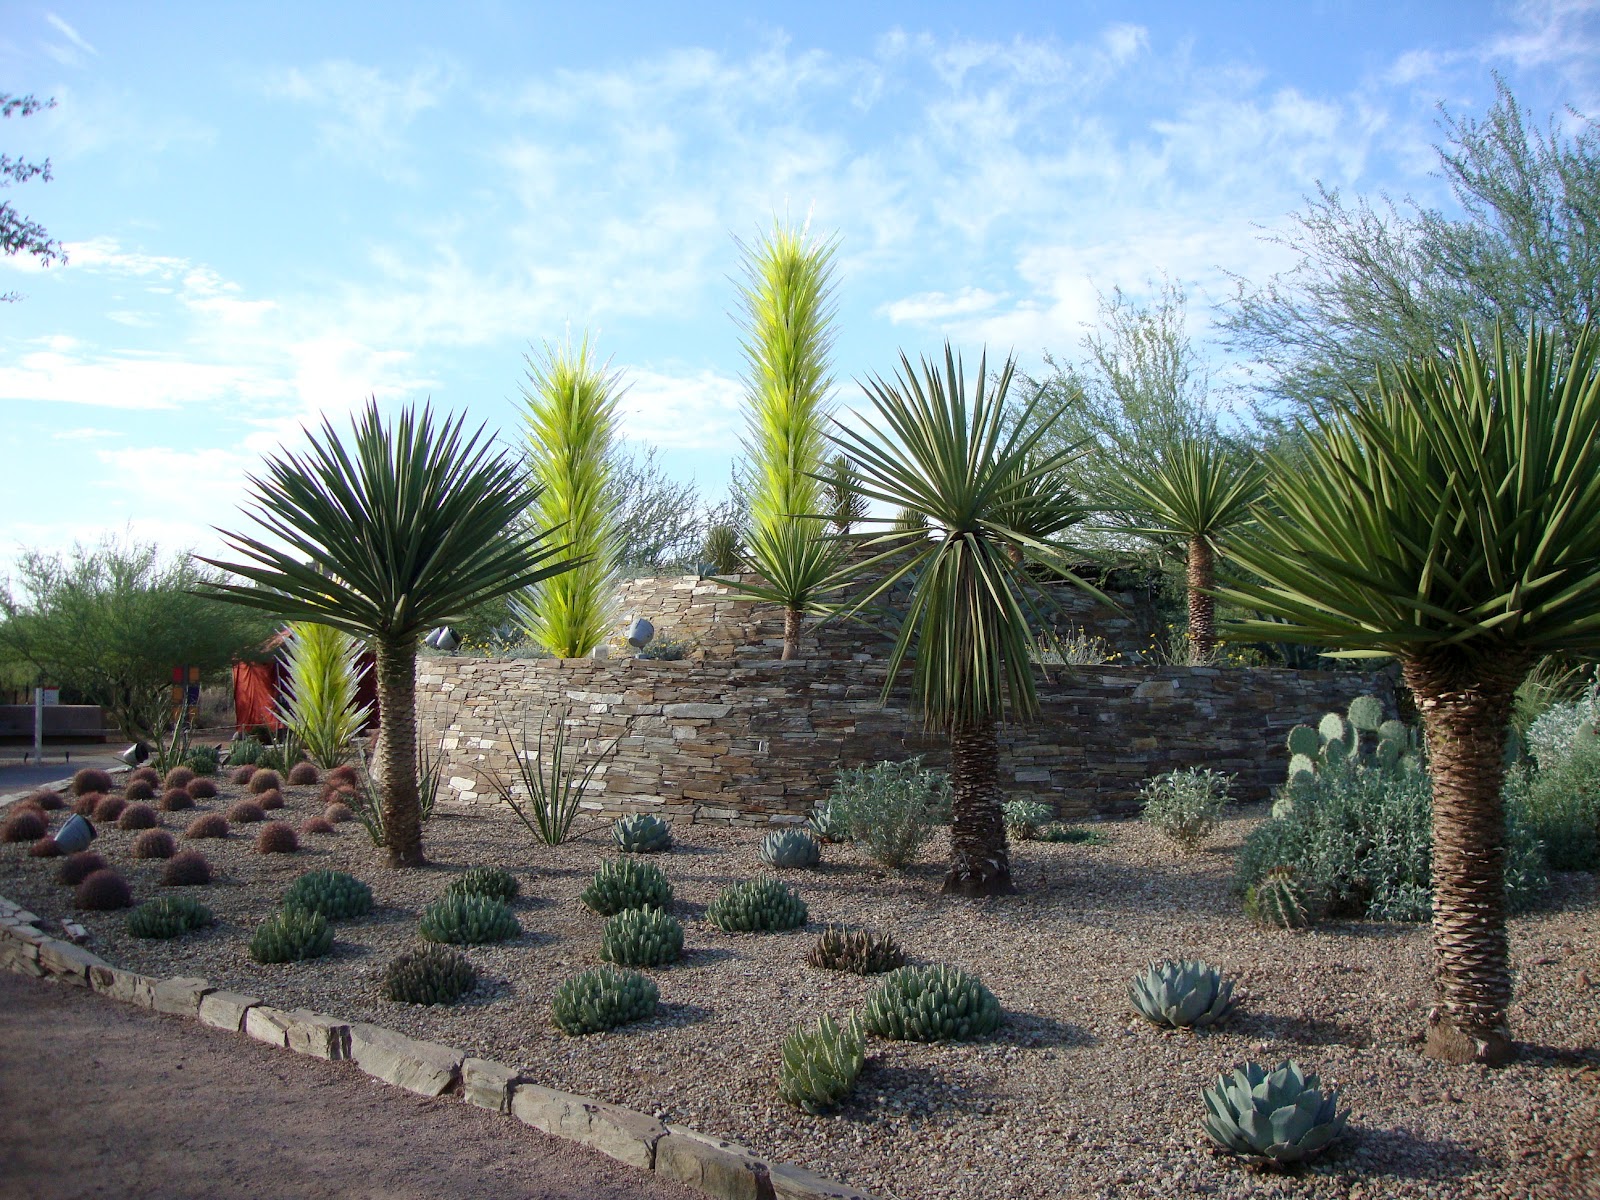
(273, 211)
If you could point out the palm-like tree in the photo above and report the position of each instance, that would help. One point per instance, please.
(1451, 519)
(1195, 488)
(409, 531)
(989, 499)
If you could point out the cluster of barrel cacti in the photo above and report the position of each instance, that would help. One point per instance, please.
(757, 905)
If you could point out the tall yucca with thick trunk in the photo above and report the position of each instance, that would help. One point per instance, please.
(1451, 519)
(321, 707)
(788, 314)
(993, 504)
(571, 415)
(412, 529)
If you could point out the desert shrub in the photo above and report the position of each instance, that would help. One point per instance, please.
(91, 779)
(138, 816)
(1561, 802)
(102, 891)
(291, 935)
(303, 774)
(602, 999)
(1073, 834)
(245, 752)
(243, 812)
(85, 804)
(154, 843)
(243, 774)
(45, 847)
(891, 808)
(818, 1066)
(335, 894)
(666, 648)
(277, 837)
(145, 775)
(1186, 805)
(642, 937)
(468, 920)
(623, 883)
(138, 789)
(494, 882)
(827, 823)
(75, 868)
(316, 825)
(1024, 818)
(24, 825)
(177, 800)
(211, 825)
(203, 760)
(338, 813)
(931, 1004)
(428, 975)
(201, 789)
(47, 800)
(263, 780)
(1359, 839)
(168, 917)
(108, 809)
(186, 869)
(757, 905)
(178, 777)
(270, 800)
(859, 951)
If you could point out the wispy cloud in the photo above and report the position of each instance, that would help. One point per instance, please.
(73, 53)
(363, 113)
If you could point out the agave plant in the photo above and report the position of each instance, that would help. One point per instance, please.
(1280, 1115)
(1182, 994)
(548, 791)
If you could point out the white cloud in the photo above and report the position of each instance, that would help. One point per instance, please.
(364, 113)
(932, 307)
(73, 53)
(702, 410)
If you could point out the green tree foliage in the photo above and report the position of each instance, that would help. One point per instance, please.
(1380, 281)
(19, 235)
(571, 413)
(112, 621)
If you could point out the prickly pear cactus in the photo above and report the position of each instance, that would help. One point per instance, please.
(1304, 741)
(1366, 713)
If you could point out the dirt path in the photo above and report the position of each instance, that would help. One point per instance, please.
(101, 1099)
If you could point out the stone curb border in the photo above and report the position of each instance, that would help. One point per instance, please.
(711, 1165)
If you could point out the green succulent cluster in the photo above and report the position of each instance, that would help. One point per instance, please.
(642, 833)
(859, 951)
(602, 999)
(931, 1004)
(642, 937)
(468, 919)
(757, 905)
(494, 882)
(168, 917)
(818, 1066)
(1182, 994)
(624, 883)
(790, 849)
(334, 894)
(428, 975)
(202, 760)
(290, 935)
(1281, 1115)
(1360, 735)
(1278, 901)
(828, 822)
(1076, 834)
(1025, 818)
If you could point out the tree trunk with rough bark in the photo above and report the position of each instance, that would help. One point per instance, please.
(980, 863)
(1466, 709)
(1202, 608)
(791, 632)
(397, 752)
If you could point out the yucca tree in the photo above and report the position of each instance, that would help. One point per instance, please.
(994, 505)
(408, 529)
(1450, 519)
(1195, 489)
(571, 415)
(845, 504)
(788, 333)
(322, 707)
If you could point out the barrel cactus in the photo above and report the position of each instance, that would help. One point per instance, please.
(1279, 901)
(1282, 1116)
(602, 999)
(428, 975)
(1024, 818)
(168, 917)
(623, 883)
(334, 894)
(789, 849)
(642, 937)
(931, 1004)
(757, 905)
(642, 833)
(494, 882)
(859, 951)
(818, 1066)
(1182, 994)
(290, 935)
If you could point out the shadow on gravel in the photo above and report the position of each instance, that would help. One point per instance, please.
(1404, 1155)
(1027, 1029)
(705, 956)
(672, 1016)
(913, 1091)
(1304, 1030)
(1531, 1054)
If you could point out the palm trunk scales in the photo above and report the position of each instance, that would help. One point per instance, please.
(980, 861)
(397, 752)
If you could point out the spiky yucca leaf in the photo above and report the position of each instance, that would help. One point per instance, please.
(320, 704)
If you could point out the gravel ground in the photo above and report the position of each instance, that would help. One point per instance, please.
(1074, 1096)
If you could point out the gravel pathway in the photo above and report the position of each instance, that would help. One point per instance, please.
(1073, 1097)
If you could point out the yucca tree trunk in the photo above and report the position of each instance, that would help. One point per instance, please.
(980, 864)
(1465, 712)
(1202, 608)
(397, 751)
(791, 632)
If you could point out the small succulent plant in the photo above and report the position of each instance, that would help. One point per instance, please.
(91, 779)
(1056, 831)
(303, 774)
(24, 825)
(168, 917)
(290, 935)
(102, 891)
(428, 975)
(244, 812)
(269, 800)
(338, 812)
(789, 849)
(335, 894)
(622, 883)
(145, 775)
(203, 760)
(178, 777)
(827, 822)
(277, 837)
(494, 882)
(602, 999)
(931, 1004)
(209, 825)
(1278, 901)
(177, 800)
(75, 868)
(859, 951)
(818, 1066)
(108, 808)
(316, 825)
(1181, 994)
(642, 833)
(186, 869)
(45, 847)
(263, 780)
(138, 816)
(138, 789)
(242, 773)
(154, 843)
(468, 920)
(757, 905)
(1280, 1115)
(46, 800)
(201, 789)
(1024, 818)
(85, 804)
(642, 937)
